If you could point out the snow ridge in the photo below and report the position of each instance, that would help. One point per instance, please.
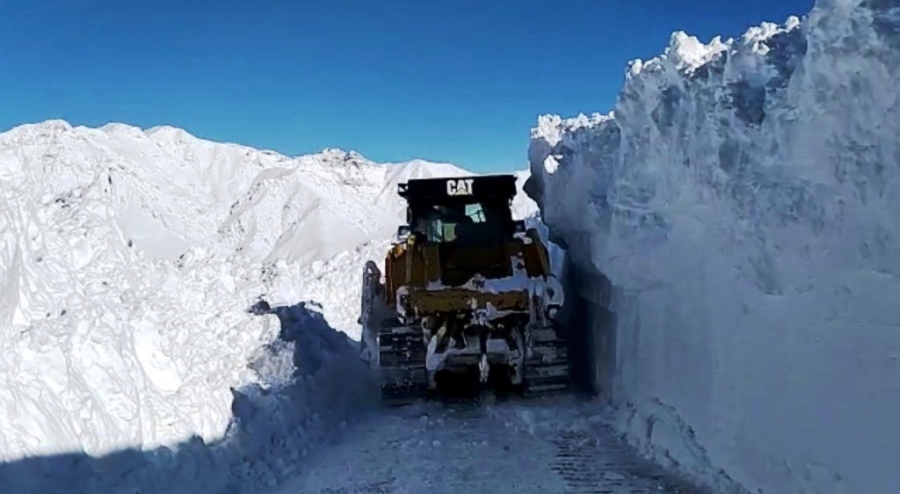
(742, 199)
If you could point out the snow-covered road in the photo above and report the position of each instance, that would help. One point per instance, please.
(524, 447)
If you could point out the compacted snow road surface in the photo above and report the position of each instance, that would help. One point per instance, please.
(515, 447)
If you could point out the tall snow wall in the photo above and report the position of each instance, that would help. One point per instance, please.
(734, 225)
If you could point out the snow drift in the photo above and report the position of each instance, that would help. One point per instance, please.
(128, 259)
(742, 199)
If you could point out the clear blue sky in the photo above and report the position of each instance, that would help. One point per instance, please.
(459, 81)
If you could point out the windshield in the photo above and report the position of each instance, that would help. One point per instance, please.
(467, 222)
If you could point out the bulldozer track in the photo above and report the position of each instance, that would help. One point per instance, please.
(402, 354)
(402, 360)
(548, 376)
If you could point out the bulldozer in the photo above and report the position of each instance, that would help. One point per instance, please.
(467, 290)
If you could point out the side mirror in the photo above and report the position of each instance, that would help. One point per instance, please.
(519, 226)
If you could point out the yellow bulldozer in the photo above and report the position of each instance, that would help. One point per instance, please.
(467, 290)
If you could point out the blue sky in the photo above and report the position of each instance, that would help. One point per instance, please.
(459, 81)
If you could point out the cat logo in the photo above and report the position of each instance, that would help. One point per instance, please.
(461, 187)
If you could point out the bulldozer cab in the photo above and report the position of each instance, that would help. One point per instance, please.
(469, 211)
(466, 221)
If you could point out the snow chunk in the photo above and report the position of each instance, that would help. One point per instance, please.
(687, 52)
(553, 128)
(159, 368)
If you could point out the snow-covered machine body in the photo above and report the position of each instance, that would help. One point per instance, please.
(465, 289)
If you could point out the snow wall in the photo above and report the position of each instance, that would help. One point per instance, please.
(733, 232)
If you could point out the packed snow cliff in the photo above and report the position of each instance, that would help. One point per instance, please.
(743, 199)
(128, 259)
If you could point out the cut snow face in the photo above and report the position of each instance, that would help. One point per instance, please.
(743, 200)
(128, 258)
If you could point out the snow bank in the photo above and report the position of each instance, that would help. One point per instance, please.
(743, 200)
(311, 386)
(128, 258)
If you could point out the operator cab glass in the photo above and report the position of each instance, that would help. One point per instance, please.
(461, 211)
(473, 222)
